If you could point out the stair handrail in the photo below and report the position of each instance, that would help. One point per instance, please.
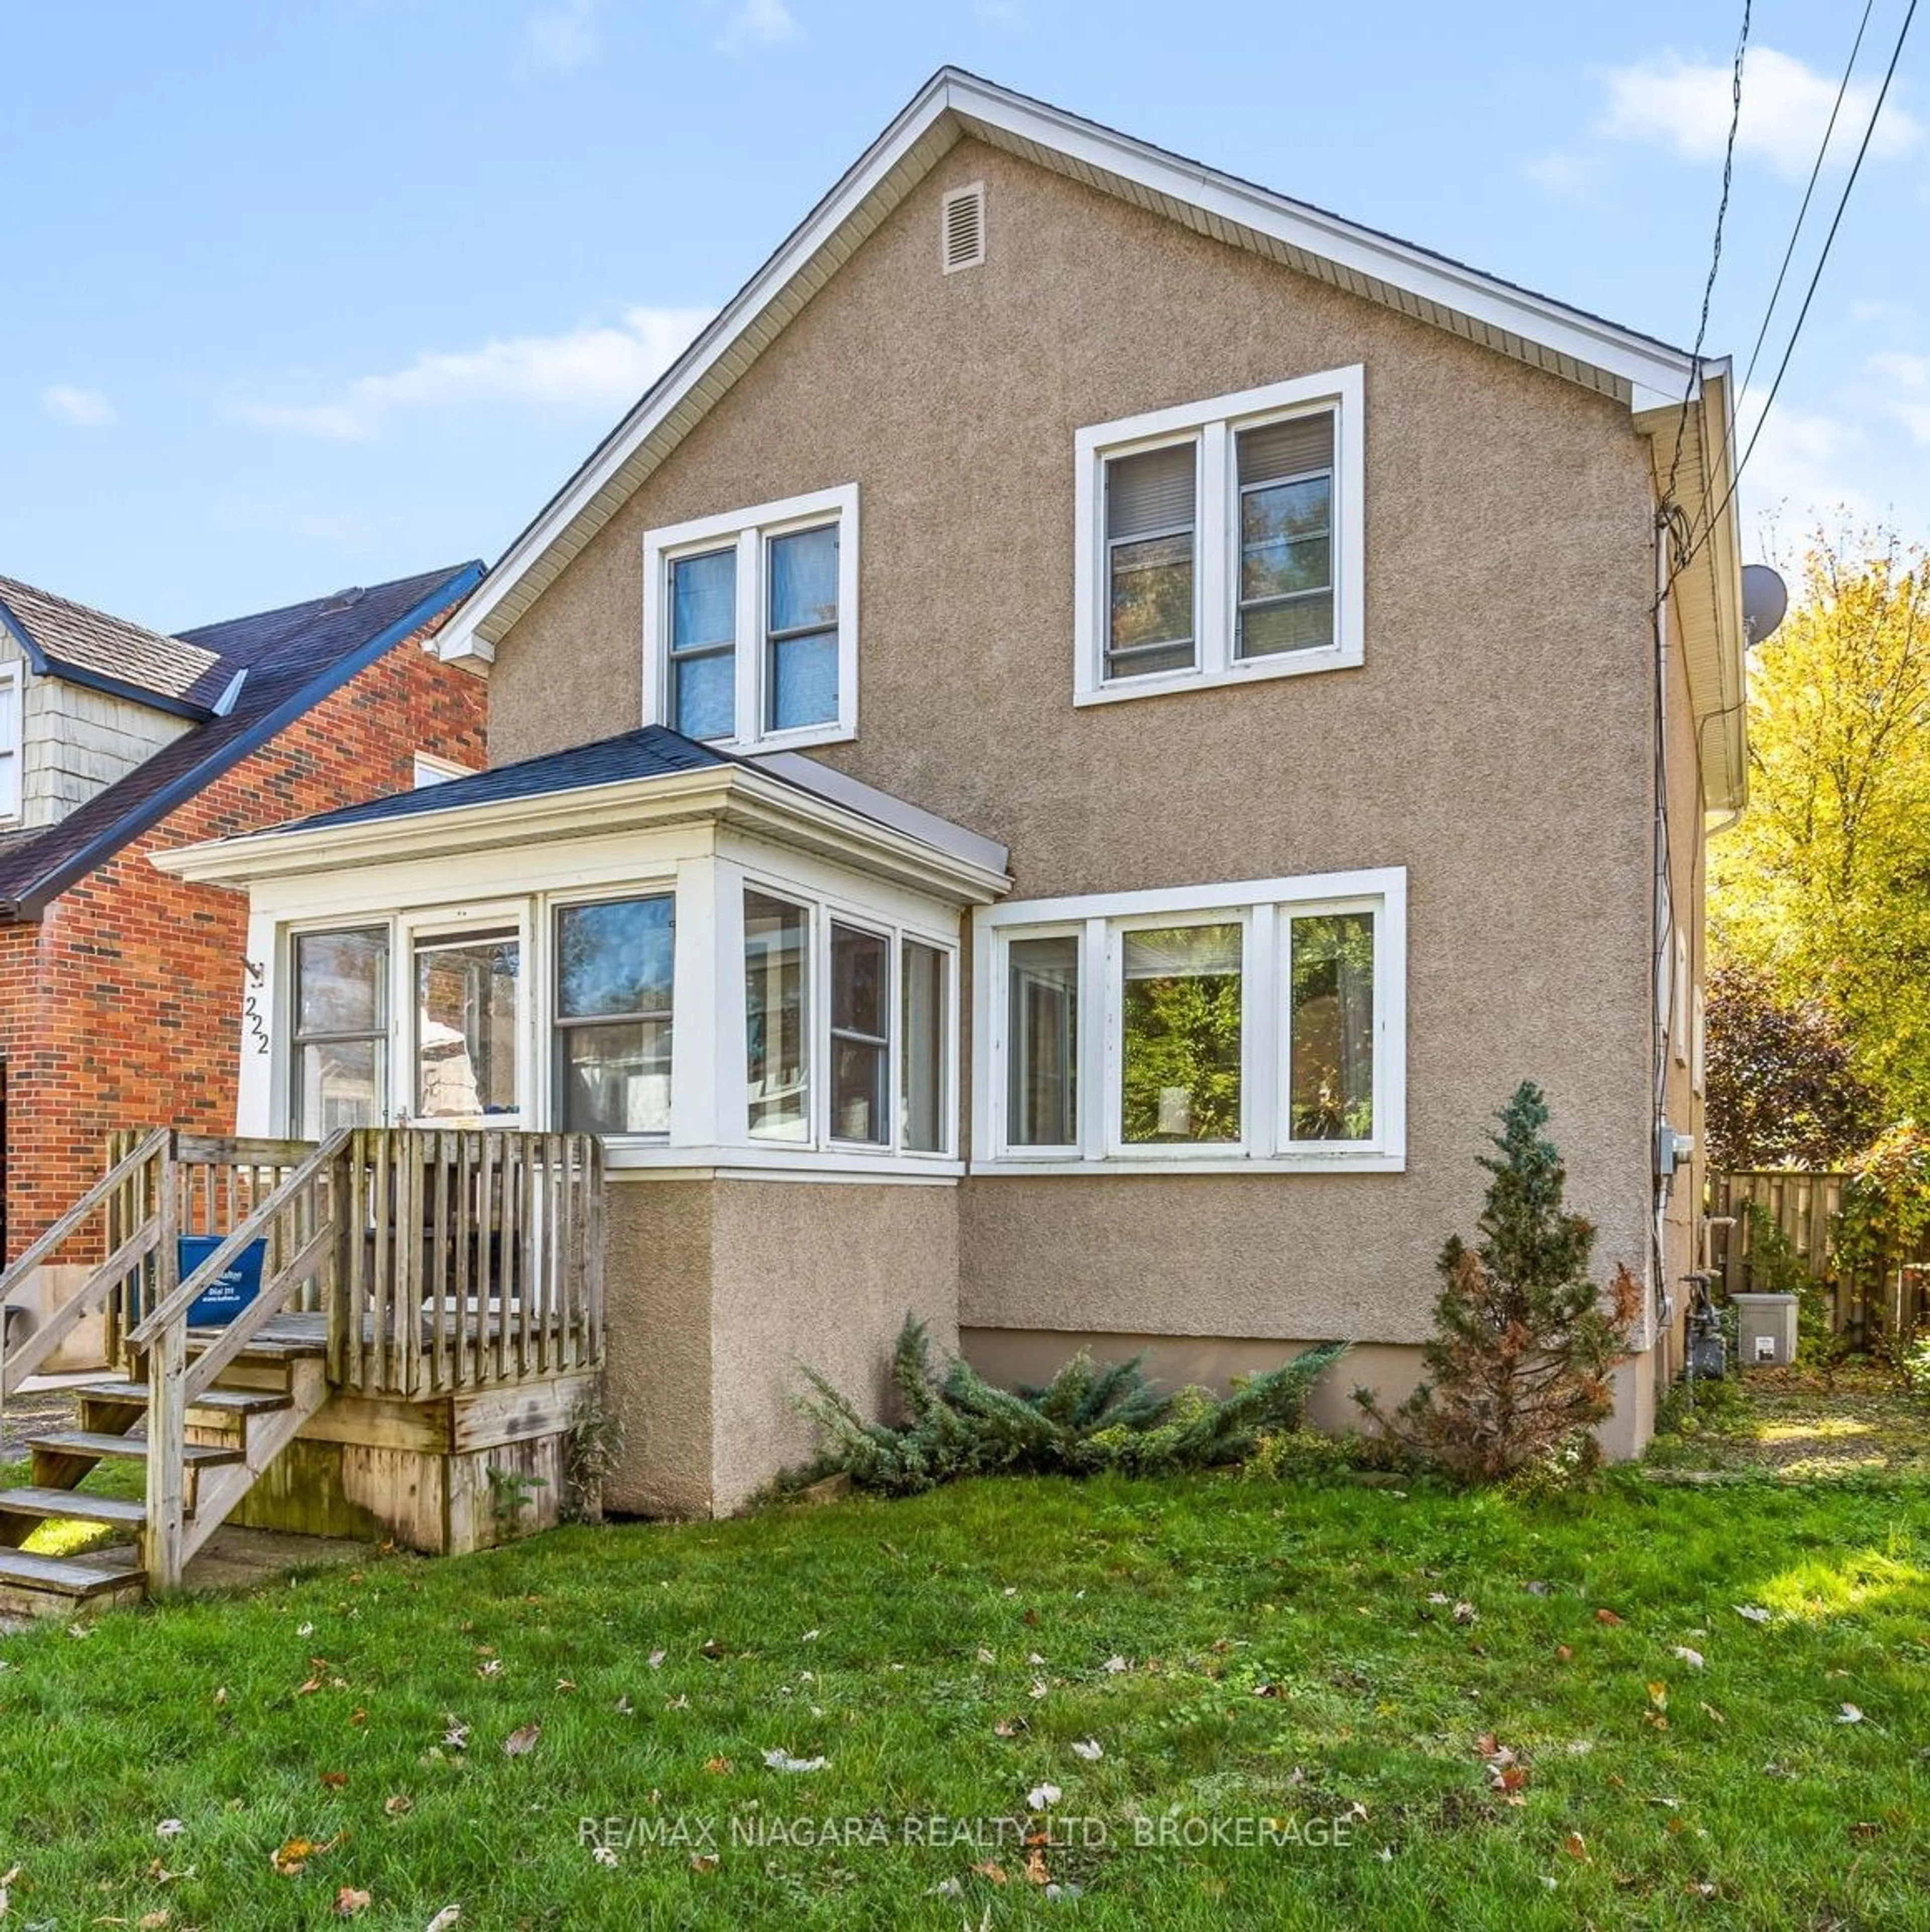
(210, 1271)
(130, 1253)
(173, 1386)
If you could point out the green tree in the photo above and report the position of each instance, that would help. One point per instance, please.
(1517, 1367)
(1824, 884)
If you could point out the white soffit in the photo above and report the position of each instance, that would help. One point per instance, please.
(1632, 368)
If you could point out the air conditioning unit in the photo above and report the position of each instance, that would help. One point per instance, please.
(1765, 1330)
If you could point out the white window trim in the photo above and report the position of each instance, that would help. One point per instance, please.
(1265, 908)
(751, 529)
(429, 768)
(13, 746)
(544, 921)
(516, 916)
(1213, 425)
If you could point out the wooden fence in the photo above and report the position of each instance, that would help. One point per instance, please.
(1804, 1206)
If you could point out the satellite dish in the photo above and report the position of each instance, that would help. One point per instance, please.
(1764, 601)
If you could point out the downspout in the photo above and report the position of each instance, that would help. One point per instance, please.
(1661, 952)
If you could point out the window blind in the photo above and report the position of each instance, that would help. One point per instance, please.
(1151, 492)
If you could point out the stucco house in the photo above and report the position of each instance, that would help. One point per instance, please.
(1052, 772)
(125, 997)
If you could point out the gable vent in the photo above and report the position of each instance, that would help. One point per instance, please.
(961, 228)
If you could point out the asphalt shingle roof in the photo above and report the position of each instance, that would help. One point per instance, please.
(293, 658)
(652, 750)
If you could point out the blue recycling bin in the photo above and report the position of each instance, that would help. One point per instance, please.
(237, 1284)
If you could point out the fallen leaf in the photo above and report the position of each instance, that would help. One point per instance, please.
(358, 1717)
(809, 1637)
(1114, 1665)
(1041, 1798)
(1715, 1716)
(1563, 1653)
(1034, 1866)
(656, 1659)
(622, 1706)
(444, 1919)
(711, 1648)
(1693, 1658)
(6, 1886)
(491, 1667)
(780, 1760)
(220, 1696)
(396, 1806)
(1864, 1829)
(1040, 1687)
(604, 1856)
(292, 1860)
(990, 1868)
(1465, 1613)
(1659, 1695)
(457, 1737)
(1849, 1714)
(1009, 1727)
(1607, 1617)
(521, 1742)
(717, 1767)
(169, 1827)
(1539, 1589)
(1753, 1612)
(704, 1861)
(1090, 1749)
(1576, 1846)
(154, 1922)
(349, 1901)
(336, 1780)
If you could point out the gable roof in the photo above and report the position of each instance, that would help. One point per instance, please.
(1634, 369)
(60, 638)
(286, 661)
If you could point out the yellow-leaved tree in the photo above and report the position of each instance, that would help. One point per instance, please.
(1822, 889)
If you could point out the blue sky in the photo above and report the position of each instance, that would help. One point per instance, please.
(299, 296)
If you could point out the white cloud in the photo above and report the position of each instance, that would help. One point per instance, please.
(1563, 173)
(1685, 105)
(1805, 459)
(758, 23)
(88, 408)
(599, 367)
(566, 35)
(1907, 383)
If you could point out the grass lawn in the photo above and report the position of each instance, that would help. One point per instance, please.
(1803, 1425)
(1239, 1650)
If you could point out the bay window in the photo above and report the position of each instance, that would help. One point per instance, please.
(1221, 541)
(776, 1018)
(1259, 1024)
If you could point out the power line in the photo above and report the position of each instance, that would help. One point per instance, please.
(1809, 295)
(1715, 253)
(1802, 214)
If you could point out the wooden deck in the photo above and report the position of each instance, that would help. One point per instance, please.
(429, 1319)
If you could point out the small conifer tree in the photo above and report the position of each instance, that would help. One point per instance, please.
(1517, 1368)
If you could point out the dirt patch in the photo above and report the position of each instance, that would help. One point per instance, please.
(1800, 1425)
(28, 1414)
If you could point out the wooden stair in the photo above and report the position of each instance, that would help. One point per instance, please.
(240, 1425)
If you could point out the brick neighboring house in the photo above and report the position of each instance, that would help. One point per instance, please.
(123, 992)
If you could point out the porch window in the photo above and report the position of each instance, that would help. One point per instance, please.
(861, 1045)
(339, 1077)
(777, 1017)
(466, 989)
(924, 1094)
(613, 972)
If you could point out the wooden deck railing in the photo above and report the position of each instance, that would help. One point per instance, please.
(465, 1260)
(430, 1262)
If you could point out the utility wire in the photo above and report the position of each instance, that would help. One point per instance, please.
(1684, 534)
(1715, 253)
(1803, 314)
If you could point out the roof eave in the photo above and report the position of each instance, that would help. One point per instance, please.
(1633, 369)
(735, 794)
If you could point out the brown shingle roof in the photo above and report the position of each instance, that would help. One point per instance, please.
(71, 639)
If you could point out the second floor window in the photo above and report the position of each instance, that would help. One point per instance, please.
(1221, 541)
(750, 624)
